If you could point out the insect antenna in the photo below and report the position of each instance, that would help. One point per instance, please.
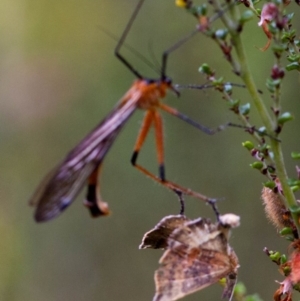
(184, 40)
(153, 57)
(171, 49)
(220, 13)
(153, 66)
(122, 40)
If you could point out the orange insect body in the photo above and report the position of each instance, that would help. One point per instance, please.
(82, 165)
(61, 186)
(149, 93)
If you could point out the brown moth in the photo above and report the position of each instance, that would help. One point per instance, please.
(197, 255)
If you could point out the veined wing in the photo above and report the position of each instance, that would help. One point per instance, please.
(59, 188)
(183, 275)
(196, 257)
(157, 238)
(196, 233)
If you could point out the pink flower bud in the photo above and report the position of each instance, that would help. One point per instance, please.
(269, 12)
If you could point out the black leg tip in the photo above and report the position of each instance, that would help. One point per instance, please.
(162, 173)
(134, 158)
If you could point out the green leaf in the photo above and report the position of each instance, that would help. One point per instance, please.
(202, 9)
(295, 209)
(283, 259)
(245, 109)
(286, 270)
(227, 87)
(293, 182)
(293, 66)
(262, 130)
(247, 15)
(295, 156)
(286, 231)
(284, 117)
(218, 81)
(290, 16)
(221, 34)
(293, 57)
(295, 188)
(240, 288)
(254, 297)
(288, 35)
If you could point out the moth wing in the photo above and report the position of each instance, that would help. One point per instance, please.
(184, 271)
(157, 237)
(197, 233)
(231, 278)
(198, 255)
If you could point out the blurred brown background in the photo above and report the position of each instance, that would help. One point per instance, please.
(58, 79)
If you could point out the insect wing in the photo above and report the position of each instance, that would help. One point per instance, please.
(158, 236)
(62, 185)
(196, 258)
(231, 278)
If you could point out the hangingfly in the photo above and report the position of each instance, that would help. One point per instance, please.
(82, 165)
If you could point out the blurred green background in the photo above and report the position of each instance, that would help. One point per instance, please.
(58, 79)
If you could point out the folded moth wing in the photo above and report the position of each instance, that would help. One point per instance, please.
(157, 237)
(231, 278)
(197, 256)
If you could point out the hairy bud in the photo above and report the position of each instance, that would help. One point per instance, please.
(275, 209)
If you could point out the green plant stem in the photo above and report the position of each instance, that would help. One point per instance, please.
(267, 121)
(246, 76)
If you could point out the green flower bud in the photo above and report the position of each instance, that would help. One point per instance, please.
(244, 109)
(286, 231)
(247, 15)
(269, 184)
(283, 118)
(205, 69)
(257, 165)
(248, 145)
(295, 155)
(221, 34)
(295, 188)
(275, 256)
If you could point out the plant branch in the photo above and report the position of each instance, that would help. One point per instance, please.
(267, 121)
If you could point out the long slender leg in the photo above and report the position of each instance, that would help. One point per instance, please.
(171, 49)
(181, 201)
(122, 39)
(93, 199)
(175, 187)
(148, 119)
(158, 124)
(208, 130)
(185, 118)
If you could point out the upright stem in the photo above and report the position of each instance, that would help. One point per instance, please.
(263, 112)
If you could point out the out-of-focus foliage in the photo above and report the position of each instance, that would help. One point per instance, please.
(58, 79)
